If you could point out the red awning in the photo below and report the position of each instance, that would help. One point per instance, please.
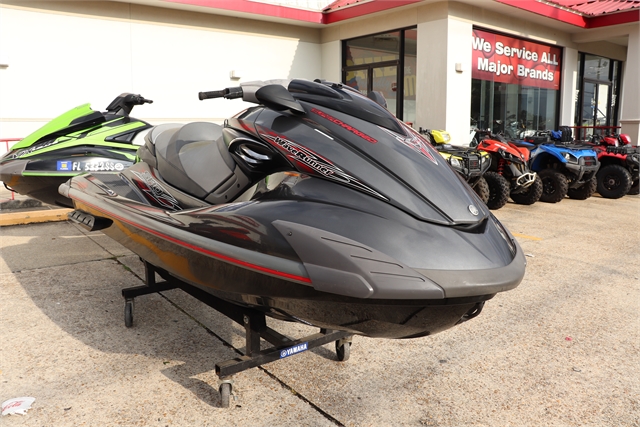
(597, 7)
(582, 13)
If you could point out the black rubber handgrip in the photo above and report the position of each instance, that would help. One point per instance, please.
(140, 100)
(212, 94)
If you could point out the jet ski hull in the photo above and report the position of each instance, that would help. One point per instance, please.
(284, 295)
(219, 255)
(43, 188)
(365, 231)
(41, 178)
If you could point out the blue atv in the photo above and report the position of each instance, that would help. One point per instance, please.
(565, 167)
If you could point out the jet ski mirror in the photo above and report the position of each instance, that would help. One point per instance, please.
(378, 98)
(278, 98)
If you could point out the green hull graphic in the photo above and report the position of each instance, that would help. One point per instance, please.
(57, 124)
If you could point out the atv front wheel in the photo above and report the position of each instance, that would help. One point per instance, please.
(530, 195)
(482, 189)
(585, 191)
(554, 186)
(498, 190)
(614, 181)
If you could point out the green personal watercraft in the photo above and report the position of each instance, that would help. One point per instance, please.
(80, 140)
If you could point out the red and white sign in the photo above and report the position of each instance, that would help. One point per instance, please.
(515, 61)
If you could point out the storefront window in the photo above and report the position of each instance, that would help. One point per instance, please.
(373, 63)
(372, 49)
(511, 109)
(515, 84)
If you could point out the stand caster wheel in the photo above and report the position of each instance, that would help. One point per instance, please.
(128, 313)
(343, 350)
(225, 394)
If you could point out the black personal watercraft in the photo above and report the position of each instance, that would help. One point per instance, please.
(77, 141)
(316, 206)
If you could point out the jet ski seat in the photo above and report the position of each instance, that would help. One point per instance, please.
(147, 152)
(194, 159)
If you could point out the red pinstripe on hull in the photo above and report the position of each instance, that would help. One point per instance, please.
(208, 252)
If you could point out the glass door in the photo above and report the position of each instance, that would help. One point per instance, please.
(598, 88)
(602, 109)
(596, 104)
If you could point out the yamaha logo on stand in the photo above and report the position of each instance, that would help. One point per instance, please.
(293, 350)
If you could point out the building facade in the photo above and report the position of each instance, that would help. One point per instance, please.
(453, 65)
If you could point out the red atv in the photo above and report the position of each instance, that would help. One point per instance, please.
(509, 174)
(620, 161)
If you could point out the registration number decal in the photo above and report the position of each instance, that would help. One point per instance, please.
(93, 166)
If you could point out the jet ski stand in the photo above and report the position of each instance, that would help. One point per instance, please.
(254, 323)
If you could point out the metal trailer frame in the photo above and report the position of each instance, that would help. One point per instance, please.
(254, 323)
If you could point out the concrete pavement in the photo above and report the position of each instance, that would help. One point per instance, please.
(562, 349)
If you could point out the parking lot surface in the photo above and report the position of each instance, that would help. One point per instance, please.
(562, 349)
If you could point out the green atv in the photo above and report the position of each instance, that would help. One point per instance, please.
(469, 162)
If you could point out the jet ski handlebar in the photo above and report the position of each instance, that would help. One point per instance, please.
(124, 103)
(246, 90)
(139, 100)
(228, 93)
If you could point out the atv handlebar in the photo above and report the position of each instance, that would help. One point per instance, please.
(228, 93)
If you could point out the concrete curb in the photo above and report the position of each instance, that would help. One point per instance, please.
(31, 217)
(18, 209)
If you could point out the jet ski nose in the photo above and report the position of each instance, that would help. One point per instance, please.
(343, 266)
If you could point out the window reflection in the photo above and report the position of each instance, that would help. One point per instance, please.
(372, 49)
(410, 54)
(596, 67)
(385, 63)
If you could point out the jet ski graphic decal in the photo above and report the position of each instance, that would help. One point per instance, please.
(314, 163)
(414, 141)
(155, 191)
(33, 149)
(344, 125)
